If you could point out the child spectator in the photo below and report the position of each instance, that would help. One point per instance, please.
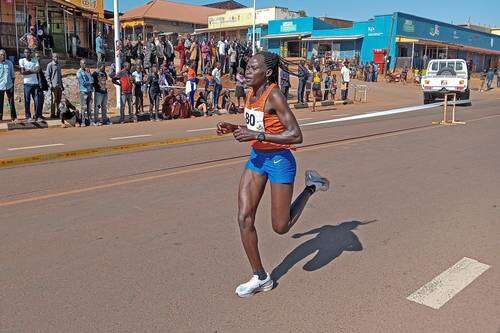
(125, 80)
(139, 80)
(240, 87)
(154, 92)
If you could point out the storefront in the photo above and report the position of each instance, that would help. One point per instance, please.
(407, 40)
(72, 25)
(289, 37)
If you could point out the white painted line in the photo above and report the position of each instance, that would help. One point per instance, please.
(202, 129)
(446, 285)
(35, 147)
(376, 114)
(304, 119)
(131, 137)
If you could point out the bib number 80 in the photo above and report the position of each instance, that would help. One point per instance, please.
(250, 119)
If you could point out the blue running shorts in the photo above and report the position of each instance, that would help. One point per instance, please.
(279, 166)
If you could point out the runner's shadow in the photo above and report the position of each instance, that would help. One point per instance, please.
(328, 244)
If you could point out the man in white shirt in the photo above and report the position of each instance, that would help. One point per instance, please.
(216, 74)
(221, 48)
(29, 69)
(345, 76)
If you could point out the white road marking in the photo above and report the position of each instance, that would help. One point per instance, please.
(35, 147)
(446, 285)
(380, 113)
(214, 128)
(202, 129)
(131, 137)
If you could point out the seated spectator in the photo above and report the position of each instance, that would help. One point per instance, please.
(201, 105)
(69, 114)
(167, 104)
(227, 104)
(181, 108)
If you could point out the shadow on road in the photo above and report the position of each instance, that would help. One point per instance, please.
(329, 243)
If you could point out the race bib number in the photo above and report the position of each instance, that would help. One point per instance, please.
(254, 120)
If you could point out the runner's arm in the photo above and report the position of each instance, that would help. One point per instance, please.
(292, 133)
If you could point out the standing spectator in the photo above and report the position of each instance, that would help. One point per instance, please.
(154, 94)
(85, 84)
(54, 79)
(29, 69)
(327, 85)
(213, 52)
(139, 81)
(43, 87)
(149, 54)
(187, 46)
(191, 82)
(316, 86)
(375, 72)
(489, 78)
(100, 78)
(233, 57)
(240, 86)
(160, 50)
(205, 56)
(302, 81)
(483, 80)
(194, 56)
(285, 82)
(100, 48)
(498, 77)
(182, 53)
(345, 78)
(370, 72)
(404, 75)
(125, 80)
(221, 47)
(216, 74)
(168, 48)
(309, 81)
(30, 40)
(7, 78)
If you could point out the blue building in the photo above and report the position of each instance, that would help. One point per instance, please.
(287, 37)
(405, 40)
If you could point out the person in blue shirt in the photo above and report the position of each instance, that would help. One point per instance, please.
(99, 48)
(7, 85)
(489, 78)
(85, 85)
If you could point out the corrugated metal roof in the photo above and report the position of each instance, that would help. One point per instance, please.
(172, 11)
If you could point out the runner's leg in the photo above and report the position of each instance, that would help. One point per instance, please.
(252, 186)
(284, 213)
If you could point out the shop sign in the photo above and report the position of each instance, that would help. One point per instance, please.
(434, 32)
(408, 26)
(372, 32)
(288, 26)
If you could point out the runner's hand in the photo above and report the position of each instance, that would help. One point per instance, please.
(243, 134)
(225, 127)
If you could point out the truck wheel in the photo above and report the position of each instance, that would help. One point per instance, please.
(465, 96)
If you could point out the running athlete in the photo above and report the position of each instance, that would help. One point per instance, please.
(272, 128)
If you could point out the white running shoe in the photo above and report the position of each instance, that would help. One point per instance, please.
(314, 178)
(254, 286)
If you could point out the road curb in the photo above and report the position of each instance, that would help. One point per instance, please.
(36, 158)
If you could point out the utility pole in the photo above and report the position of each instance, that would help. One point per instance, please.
(117, 41)
(253, 27)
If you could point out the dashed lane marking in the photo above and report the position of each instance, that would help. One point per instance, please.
(446, 285)
(131, 137)
(36, 147)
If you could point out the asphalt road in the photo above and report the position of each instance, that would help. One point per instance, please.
(147, 241)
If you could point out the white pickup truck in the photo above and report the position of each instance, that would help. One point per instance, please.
(446, 76)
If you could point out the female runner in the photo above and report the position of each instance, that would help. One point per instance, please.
(272, 128)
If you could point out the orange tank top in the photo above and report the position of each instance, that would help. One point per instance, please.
(257, 119)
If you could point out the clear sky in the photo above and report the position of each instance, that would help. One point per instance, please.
(486, 12)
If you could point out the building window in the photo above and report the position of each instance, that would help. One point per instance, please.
(403, 52)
